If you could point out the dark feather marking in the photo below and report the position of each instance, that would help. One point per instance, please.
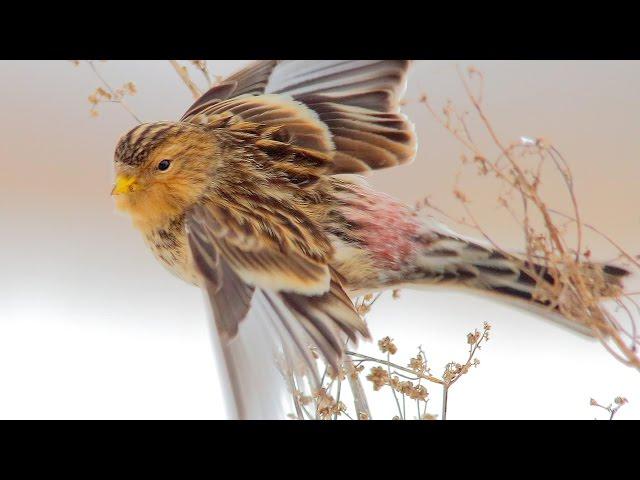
(493, 269)
(441, 252)
(448, 276)
(541, 271)
(512, 291)
(342, 235)
(465, 274)
(304, 308)
(478, 248)
(526, 279)
(615, 271)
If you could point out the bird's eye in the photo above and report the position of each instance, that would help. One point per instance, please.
(163, 165)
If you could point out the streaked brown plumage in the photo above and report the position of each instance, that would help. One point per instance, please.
(251, 179)
(260, 196)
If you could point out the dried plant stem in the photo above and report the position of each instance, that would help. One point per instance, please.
(359, 397)
(445, 398)
(202, 66)
(577, 287)
(183, 73)
(393, 390)
(611, 410)
(335, 415)
(106, 85)
(296, 401)
(527, 191)
(366, 358)
(418, 370)
(452, 375)
(617, 246)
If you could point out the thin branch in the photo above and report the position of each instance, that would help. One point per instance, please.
(202, 66)
(183, 73)
(429, 378)
(113, 93)
(445, 398)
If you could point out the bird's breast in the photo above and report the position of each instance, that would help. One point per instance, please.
(169, 245)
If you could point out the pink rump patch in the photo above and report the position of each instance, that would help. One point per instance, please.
(387, 227)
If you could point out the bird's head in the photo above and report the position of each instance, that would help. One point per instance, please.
(162, 168)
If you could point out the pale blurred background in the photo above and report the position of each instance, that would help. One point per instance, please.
(92, 327)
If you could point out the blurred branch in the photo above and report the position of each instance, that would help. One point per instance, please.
(618, 401)
(202, 66)
(183, 73)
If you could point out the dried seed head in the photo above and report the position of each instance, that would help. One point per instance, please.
(379, 377)
(387, 345)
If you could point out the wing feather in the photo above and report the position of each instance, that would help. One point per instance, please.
(351, 107)
(263, 263)
(232, 273)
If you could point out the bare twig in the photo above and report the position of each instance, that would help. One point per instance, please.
(565, 278)
(202, 66)
(611, 410)
(183, 73)
(114, 95)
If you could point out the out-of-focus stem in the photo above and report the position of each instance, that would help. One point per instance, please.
(359, 397)
(445, 396)
(184, 75)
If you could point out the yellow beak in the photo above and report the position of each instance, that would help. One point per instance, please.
(124, 185)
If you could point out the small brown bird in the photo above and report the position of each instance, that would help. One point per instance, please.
(253, 193)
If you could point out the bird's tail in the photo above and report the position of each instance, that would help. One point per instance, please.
(449, 259)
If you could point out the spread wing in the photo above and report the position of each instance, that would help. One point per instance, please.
(248, 273)
(354, 101)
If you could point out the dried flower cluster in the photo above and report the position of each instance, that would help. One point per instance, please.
(611, 409)
(101, 95)
(364, 304)
(327, 406)
(453, 371)
(387, 346)
(406, 382)
(105, 93)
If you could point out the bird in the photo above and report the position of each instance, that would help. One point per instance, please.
(258, 190)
